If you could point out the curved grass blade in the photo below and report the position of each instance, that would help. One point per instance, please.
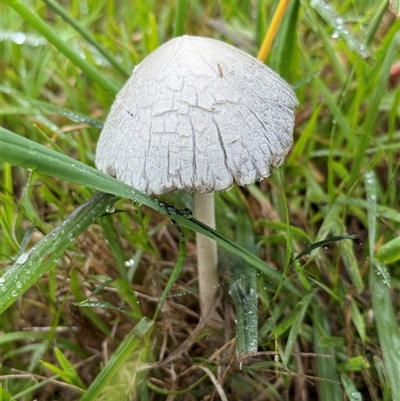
(67, 372)
(74, 116)
(243, 290)
(324, 242)
(294, 320)
(390, 251)
(329, 15)
(87, 36)
(176, 271)
(63, 47)
(379, 280)
(131, 343)
(388, 330)
(272, 30)
(31, 265)
(329, 388)
(388, 54)
(394, 7)
(28, 154)
(180, 18)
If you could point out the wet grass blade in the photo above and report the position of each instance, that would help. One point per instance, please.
(243, 290)
(87, 36)
(379, 280)
(379, 75)
(388, 329)
(390, 251)
(131, 343)
(92, 73)
(324, 242)
(28, 154)
(330, 16)
(31, 265)
(329, 385)
(294, 321)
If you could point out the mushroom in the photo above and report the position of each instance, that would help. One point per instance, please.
(198, 115)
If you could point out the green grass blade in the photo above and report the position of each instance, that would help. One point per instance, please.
(376, 20)
(115, 246)
(329, 388)
(330, 16)
(78, 293)
(243, 290)
(350, 388)
(92, 73)
(180, 18)
(388, 330)
(379, 76)
(348, 256)
(390, 251)
(301, 308)
(332, 54)
(176, 271)
(358, 321)
(67, 372)
(131, 343)
(70, 114)
(381, 211)
(5, 395)
(87, 36)
(31, 265)
(284, 55)
(371, 191)
(28, 154)
(395, 8)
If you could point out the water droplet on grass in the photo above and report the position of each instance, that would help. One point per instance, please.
(23, 258)
(129, 263)
(335, 34)
(171, 210)
(110, 209)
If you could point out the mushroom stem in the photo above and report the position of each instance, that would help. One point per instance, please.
(207, 255)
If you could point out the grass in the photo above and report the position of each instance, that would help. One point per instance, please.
(98, 292)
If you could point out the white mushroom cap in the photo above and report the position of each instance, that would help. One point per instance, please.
(197, 115)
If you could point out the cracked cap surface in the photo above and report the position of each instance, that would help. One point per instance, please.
(197, 115)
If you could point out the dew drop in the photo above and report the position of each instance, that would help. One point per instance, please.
(110, 209)
(23, 258)
(129, 263)
(356, 396)
(171, 210)
(19, 38)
